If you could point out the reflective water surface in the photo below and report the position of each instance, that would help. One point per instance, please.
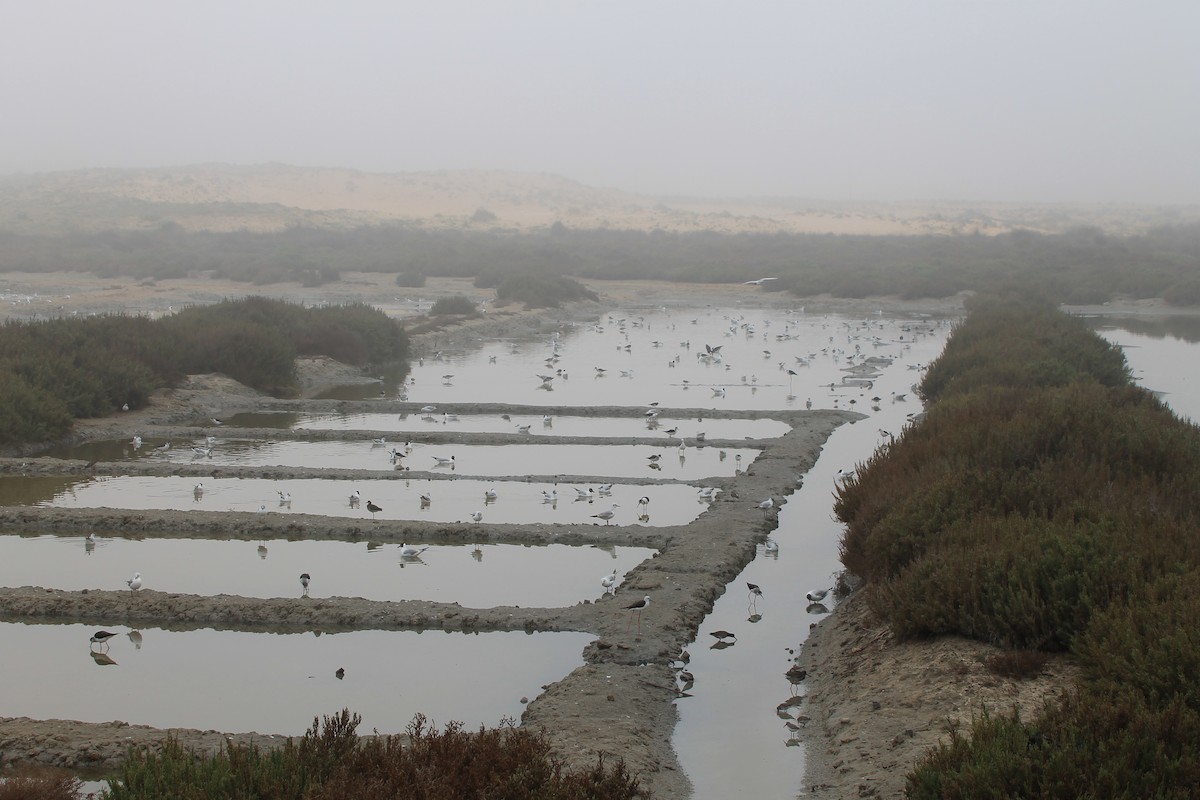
(437, 500)
(537, 424)
(479, 576)
(277, 683)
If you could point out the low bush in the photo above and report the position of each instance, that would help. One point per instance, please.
(458, 304)
(331, 762)
(1044, 504)
(55, 371)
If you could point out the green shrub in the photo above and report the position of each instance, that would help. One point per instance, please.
(458, 304)
(543, 291)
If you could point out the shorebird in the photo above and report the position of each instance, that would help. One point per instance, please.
(607, 514)
(304, 580)
(373, 508)
(477, 516)
(164, 446)
(844, 475)
(722, 635)
(409, 551)
(426, 499)
(550, 496)
(216, 421)
(135, 582)
(816, 595)
(643, 505)
(637, 608)
(489, 495)
(443, 462)
(584, 494)
(355, 498)
(609, 582)
(755, 591)
(198, 491)
(102, 637)
(767, 504)
(654, 457)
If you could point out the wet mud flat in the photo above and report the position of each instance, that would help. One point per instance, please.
(619, 703)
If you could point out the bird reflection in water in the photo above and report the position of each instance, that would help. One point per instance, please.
(136, 638)
(102, 658)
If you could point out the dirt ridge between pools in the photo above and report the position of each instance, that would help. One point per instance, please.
(619, 704)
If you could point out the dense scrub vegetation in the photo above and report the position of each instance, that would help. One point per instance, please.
(1081, 266)
(457, 304)
(55, 371)
(546, 291)
(1044, 503)
(332, 761)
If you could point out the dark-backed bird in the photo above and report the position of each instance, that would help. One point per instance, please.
(373, 508)
(637, 608)
(101, 637)
(755, 591)
(723, 635)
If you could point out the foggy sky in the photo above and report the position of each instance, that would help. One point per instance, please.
(1017, 100)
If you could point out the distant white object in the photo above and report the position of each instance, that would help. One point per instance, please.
(135, 582)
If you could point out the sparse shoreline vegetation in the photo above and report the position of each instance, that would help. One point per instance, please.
(1081, 266)
(332, 761)
(1044, 504)
(55, 371)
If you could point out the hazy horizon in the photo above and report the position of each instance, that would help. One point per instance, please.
(1024, 101)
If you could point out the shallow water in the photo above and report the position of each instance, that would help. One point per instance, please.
(738, 686)
(277, 683)
(1162, 361)
(661, 460)
(448, 500)
(475, 577)
(538, 424)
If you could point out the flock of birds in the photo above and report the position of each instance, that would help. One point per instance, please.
(849, 345)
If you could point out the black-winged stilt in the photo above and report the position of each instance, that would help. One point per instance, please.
(101, 637)
(637, 608)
